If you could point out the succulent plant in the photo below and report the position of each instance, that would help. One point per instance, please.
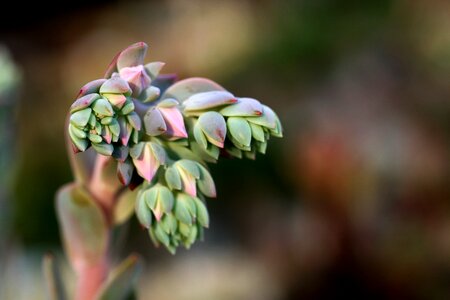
(128, 118)
(154, 137)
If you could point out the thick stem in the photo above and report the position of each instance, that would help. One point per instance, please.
(90, 279)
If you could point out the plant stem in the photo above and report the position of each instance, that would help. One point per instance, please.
(90, 279)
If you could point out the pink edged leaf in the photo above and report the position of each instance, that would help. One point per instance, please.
(147, 164)
(136, 77)
(132, 56)
(174, 122)
(183, 89)
(207, 100)
(245, 107)
(91, 87)
(83, 226)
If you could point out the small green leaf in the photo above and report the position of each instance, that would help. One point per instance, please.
(200, 136)
(181, 210)
(103, 148)
(257, 132)
(173, 178)
(161, 235)
(128, 107)
(81, 118)
(154, 68)
(103, 107)
(151, 197)
(206, 182)
(165, 196)
(202, 213)
(190, 166)
(143, 212)
(240, 130)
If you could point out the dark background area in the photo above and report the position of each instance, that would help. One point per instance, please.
(353, 201)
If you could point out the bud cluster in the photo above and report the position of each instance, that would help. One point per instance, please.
(165, 139)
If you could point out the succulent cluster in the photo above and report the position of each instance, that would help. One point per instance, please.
(161, 134)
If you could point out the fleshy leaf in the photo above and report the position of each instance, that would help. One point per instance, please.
(154, 68)
(240, 130)
(115, 85)
(182, 208)
(174, 122)
(207, 100)
(81, 117)
(213, 126)
(154, 123)
(143, 212)
(137, 78)
(147, 164)
(173, 178)
(91, 87)
(183, 89)
(206, 183)
(83, 102)
(245, 107)
(83, 225)
(132, 56)
(202, 213)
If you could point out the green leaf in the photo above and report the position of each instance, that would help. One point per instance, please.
(240, 130)
(182, 212)
(83, 102)
(151, 197)
(154, 68)
(122, 279)
(206, 182)
(103, 107)
(202, 213)
(173, 178)
(125, 206)
(190, 166)
(165, 196)
(161, 235)
(143, 212)
(103, 148)
(81, 118)
(53, 278)
(200, 136)
(257, 132)
(83, 225)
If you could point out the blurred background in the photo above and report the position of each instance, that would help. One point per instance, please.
(353, 201)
